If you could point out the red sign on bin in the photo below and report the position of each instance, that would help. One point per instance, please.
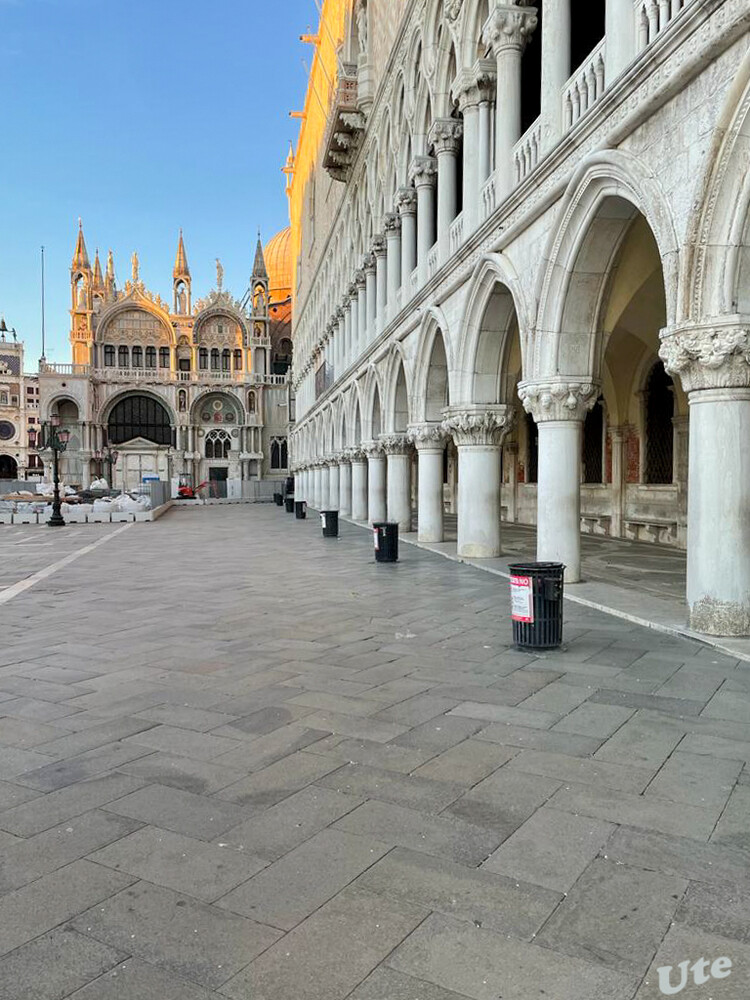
(522, 599)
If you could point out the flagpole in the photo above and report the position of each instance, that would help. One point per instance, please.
(43, 358)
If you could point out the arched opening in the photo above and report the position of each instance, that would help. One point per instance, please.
(400, 402)
(592, 459)
(376, 426)
(586, 30)
(437, 394)
(531, 72)
(8, 467)
(139, 417)
(659, 436)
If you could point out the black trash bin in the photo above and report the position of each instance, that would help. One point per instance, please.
(290, 503)
(536, 597)
(329, 521)
(385, 534)
(300, 509)
(278, 499)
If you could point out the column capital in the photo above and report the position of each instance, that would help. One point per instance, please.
(429, 436)
(406, 201)
(368, 263)
(395, 444)
(372, 449)
(359, 280)
(339, 314)
(478, 424)
(423, 171)
(445, 135)
(713, 354)
(473, 86)
(356, 455)
(558, 399)
(392, 224)
(378, 245)
(353, 291)
(509, 26)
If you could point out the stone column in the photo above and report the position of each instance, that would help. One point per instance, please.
(325, 484)
(353, 321)
(302, 491)
(376, 500)
(620, 32)
(361, 313)
(429, 440)
(345, 483)
(380, 252)
(478, 430)
(485, 77)
(507, 31)
(347, 307)
(393, 243)
(713, 362)
(445, 136)
(471, 89)
(370, 295)
(398, 458)
(618, 437)
(406, 200)
(332, 332)
(333, 483)
(556, 68)
(423, 172)
(359, 484)
(340, 334)
(317, 486)
(559, 409)
(511, 455)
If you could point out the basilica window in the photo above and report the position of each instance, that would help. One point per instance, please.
(137, 357)
(3, 398)
(203, 358)
(226, 356)
(151, 357)
(218, 444)
(109, 356)
(139, 416)
(215, 359)
(123, 357)
(279, 453)
(659, 407)
(164, 357)
(593, 444)
(238, 361)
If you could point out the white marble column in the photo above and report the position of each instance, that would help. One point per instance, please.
(559, 409)
(371, 296)
(398, 460)
(361, 282)
(511, 459)
(406, 199)
(325, 485)
(333, 484)
(339, 332)
(478, 432)
(620, 32)
(393, 244)
(380, 252)
(466, 92)
(376, 476)
(507, 31)
(359, 485)
(317, 486)
(345, 484)
(445, 136)
(556, 68)
(429, 440)
(424, 172)
(711, 360)
(618, 438)
(346, 305)
(485, 79)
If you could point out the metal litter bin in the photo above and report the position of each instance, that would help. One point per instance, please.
(536, 598)
(385, 536)
(278, 499)
(300, 509)
(329, 522)
(290, 504)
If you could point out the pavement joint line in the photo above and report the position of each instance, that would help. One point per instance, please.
(682, 631)
(30, 581)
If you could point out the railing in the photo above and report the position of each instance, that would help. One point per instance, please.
(585, 87)
(49, 369)
(456, 233)
(139, 376)
(488, 198)
(653, 16)
(527, 149)
(432, 260)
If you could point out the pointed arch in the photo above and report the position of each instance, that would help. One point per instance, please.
(434, 371)
(397, 394)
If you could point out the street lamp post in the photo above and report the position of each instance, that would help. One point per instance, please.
(110, 456)
(56, 438)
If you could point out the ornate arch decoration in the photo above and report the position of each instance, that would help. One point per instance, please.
(495, 281)
(136, 301)
(612, 185)
(109, 404)
(217, 309)
(370, 390)
(717, 247)
(393, 364)
(434, 325)
(223, 393)
(61, 397)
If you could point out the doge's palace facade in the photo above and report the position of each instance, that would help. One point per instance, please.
(521, 238)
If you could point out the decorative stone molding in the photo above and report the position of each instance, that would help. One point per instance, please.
(360, 280)
(379, 247)
(509, 27)
(710, 355)
(406, 201)
(427, 436)
(558, 400)
(478, 425)
(353, 291)
(368, 263)
(445, 135)
(423, 171)
(476, 85)
(453, 9)
(372, 449)
(395, 444)
(356, 455)
(392, 224)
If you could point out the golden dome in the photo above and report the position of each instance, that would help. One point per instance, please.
(278, 255)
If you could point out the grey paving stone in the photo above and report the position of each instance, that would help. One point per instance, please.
(640, 742)
(137, 980)
(733, 828)
(539, 739)
(275, 831)
(698, 780)
(598, 774)
(466, 763)
(731, 705)
(331, 952)
(646, 812)
(176, 933)
(326, 702)
(716, 746)
(197, 776)
(275, 782)
(53, 965)
(264, 721)
(35, 710)
(718, 909)
(507, 798)
(261, 751)
(30, 687)
(48, 810)
(692, 683)
(36, 908)
(683, 941)
(439, 734)
(96, 736)
(590, 719)
(679, 855)
(384, 755)
(26, 734)
(551, 849)
(421, 708)
(483, 965)
(14, 761)
(200, 746)
(387, 984)
(670, 706)
(304, 879)
(355, 726)
(181, 812)
(503, 713)
(61, 773)
(190, 866)
(557, 698)
(477, 896)
(28, 859)
(186, 717)
(444, 836)
(15, 795)
(366, 782)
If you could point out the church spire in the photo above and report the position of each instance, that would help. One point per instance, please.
(288, 169)
(98, 279)
(181, 269)
(181, 283)
(81, 257)
(259, 266)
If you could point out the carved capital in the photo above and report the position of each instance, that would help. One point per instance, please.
(379, 247)
(392, 224)
(356, 455)
(476, 85)
(406, 201)
(427, 436)
(478, 425)
(423, 170)
(453, 9)
(372, 449)
(395, 444)
(445, 135)
(353, 290)
(558, 400)
(339, 314)
(359, 280)
(714, 354)
(509, 27)
(368, 263)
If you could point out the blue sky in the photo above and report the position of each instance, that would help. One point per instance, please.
(141, 116)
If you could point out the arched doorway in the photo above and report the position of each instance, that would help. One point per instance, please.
(140, 427)
(8, 467)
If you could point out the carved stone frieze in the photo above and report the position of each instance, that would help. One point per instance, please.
(561, 399)
(445, 135)
(406, 201)
(428, 436)
(392, 224)
(395, 444)
(372, 449)
(710, 355)
(478, 425)
(379, 247)
(423, 170)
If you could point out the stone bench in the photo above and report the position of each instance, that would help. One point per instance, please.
(662, 531)
(596, 524)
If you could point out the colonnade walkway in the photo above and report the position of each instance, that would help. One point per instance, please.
(238, 760)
